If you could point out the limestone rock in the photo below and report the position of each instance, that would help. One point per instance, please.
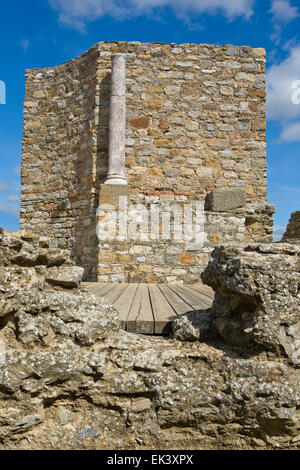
(87, 433)
(47, 318)
(257, 296)
(184, 330)
(70, 378)
(69, 276)
(26, 250)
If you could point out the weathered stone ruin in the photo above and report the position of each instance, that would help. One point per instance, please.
(257, 297)
(227, 377)
(195, 132)
(71, 378)
(292, 233)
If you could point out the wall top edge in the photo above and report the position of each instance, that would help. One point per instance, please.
(260, 52)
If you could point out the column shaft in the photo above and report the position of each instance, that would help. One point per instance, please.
(117, 123)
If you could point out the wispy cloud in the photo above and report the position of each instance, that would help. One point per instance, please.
(77, 13)
(17, 170)
(289, 188)
(6, 186)
(14, 198)
(283, 12)
(9, 209)
(278, 233)
(25, 43)
(291, 133)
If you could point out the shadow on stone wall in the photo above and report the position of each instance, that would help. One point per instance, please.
(90, 171)
(103, 132)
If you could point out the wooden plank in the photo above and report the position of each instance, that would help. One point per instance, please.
(105, 288)
(140, 318)
(178, 304)
(202, 297)
(89, 284)
(124, 302)
(150, 308)
(205, 296)
(162, 311)
(204, 289)
(205, 300)
(100, 291)
(114, 294)
(91, 289)
(195, 303)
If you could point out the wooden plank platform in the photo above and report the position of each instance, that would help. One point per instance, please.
(151, 308)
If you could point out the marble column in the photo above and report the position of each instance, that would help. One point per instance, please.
(117, 123)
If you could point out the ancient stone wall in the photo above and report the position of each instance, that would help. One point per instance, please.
(195, 126)
(59, 155)
(292, 233)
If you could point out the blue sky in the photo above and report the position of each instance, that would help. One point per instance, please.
(45, 33)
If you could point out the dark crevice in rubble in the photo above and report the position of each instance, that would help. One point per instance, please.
(49, 401)
(24, 262)
(149, 394)
(8, 318)
(6, 391)
(180, 424)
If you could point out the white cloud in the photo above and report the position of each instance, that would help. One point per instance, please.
(291, 132)
(11, 205)
(5, 186)
(76, 13)
(289, 188)
(283, 96)
(280, 91)
(283, 11)
(25, 43)
(17, 170)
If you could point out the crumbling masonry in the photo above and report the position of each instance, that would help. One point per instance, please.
(292, 232)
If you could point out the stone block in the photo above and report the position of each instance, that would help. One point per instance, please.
(141, 122)
(65, 276)
(223, 200)
(110, 195)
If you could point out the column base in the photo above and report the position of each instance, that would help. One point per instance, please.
(116, 179)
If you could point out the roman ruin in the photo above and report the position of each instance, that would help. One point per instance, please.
(138, 342)
(195, 132)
